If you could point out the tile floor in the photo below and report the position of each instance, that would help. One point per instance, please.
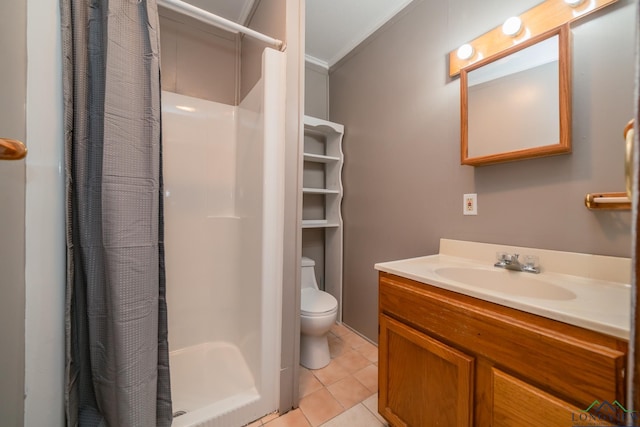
(342, 394)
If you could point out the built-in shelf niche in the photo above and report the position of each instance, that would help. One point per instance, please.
(321, 203)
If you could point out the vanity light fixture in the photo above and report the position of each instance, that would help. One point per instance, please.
(466, 51)
(546, 16)
(512, 26)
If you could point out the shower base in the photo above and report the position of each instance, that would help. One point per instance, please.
(209, 383)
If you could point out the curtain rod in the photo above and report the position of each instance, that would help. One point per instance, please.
(218, 21)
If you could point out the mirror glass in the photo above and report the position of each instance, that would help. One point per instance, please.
(516, 105)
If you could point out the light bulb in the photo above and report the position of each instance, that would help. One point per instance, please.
(465, 51)
(512, 26)
(574, 3)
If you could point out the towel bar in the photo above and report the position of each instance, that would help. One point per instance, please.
(11, 149)
(611, 201)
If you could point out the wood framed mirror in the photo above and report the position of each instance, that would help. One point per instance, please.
(517, 104)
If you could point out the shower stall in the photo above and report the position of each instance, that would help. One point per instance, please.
(224, 196)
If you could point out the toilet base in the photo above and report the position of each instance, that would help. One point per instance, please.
(314, 351)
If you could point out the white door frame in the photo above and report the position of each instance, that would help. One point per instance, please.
(44, 219)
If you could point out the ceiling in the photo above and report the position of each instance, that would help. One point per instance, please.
(333, 27)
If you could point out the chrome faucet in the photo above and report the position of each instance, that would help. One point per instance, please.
(512, 262)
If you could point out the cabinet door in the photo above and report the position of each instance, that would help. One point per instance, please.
(519, 404)
(422, 381)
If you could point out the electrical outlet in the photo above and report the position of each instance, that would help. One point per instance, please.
(470, 204)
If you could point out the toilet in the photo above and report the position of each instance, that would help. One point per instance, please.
(318, 311)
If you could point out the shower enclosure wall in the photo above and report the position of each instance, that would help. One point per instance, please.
(223, 179)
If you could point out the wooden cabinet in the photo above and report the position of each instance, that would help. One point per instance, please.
(447, 359)
(517, 403)
(444, 378)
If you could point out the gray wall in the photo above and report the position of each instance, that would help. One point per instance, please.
(402, 176)
(316, 104)
(267, 17)
(13, 51)
(197, 59)
(316, 91)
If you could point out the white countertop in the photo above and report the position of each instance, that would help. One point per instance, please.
(599, 305)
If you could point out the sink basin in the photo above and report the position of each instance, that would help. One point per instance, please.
(507, 282)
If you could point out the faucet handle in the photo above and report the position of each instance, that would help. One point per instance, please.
(532, 262)
(513, 258)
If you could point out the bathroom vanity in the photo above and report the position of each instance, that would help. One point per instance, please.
(453, 353)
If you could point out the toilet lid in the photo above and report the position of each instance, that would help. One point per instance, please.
(315, 301)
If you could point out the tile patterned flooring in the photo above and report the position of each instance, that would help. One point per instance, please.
(342, 394)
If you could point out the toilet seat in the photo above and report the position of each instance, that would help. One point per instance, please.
(317, 303)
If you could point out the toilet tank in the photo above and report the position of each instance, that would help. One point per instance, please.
(308, 279)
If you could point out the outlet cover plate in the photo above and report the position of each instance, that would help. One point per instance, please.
(470, 204)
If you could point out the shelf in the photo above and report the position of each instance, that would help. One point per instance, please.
(313, 124)
(318, 223)
(322, 236)
(319, 158)
(319, 191)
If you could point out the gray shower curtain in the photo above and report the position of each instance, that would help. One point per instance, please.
(117, 367)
